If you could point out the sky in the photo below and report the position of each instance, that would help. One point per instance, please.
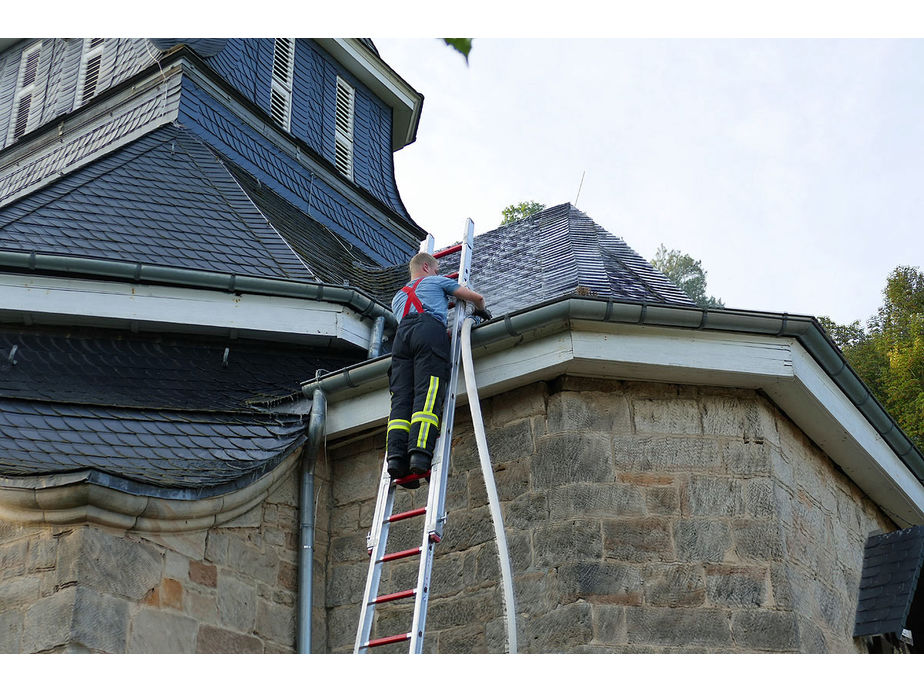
(792, 169)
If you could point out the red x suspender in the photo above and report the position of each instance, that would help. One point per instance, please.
(412, 299)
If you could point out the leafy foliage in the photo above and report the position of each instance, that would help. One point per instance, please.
(889, 354)
(519, 211)
(686, 273)
(463, 45)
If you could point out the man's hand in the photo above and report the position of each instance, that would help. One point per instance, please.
(482, 313)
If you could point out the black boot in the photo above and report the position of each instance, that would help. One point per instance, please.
(420, 462)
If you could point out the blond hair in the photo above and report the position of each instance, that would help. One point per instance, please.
(418, 261)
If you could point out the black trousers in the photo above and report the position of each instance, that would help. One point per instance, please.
(418, 377)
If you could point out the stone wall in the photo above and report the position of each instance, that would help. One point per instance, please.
(93, 589)
(640, 518)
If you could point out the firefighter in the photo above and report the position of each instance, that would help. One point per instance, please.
(420, 365)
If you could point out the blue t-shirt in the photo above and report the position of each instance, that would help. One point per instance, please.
(433, 292)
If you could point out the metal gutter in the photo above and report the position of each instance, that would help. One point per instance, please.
(557, 314)
(363, 304)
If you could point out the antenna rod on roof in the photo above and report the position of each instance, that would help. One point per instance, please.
(580, 185)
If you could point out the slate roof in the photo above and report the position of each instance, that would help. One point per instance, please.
(144, 451)
(561, 251)
(163, 416)
(151, 371)
(891, 575)
(163, 199)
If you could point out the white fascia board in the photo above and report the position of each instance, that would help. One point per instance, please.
(821, 409)
(779, 366)
(53, 300)
(382, 81)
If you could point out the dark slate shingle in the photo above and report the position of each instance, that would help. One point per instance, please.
(891, 571)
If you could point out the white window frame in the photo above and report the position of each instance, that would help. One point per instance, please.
(344, 118)
(281, 83)
(89, 53)
(24, 90)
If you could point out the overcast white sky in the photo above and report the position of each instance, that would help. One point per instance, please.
(793, 169)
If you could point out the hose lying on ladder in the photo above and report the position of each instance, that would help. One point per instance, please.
(487, 471)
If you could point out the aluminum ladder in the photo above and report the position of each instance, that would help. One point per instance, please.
(434, 511)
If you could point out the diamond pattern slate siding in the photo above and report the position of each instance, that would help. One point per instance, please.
(891, 574)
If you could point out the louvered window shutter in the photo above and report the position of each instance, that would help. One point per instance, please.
(22, 101)
(281, 88)
(88, 78)
(343, 140)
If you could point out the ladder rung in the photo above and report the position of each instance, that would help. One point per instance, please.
(453, 275)
(411, 477)
(447, 251)
(400, 554)
(393, 596)
(406, 514)
(389, 640)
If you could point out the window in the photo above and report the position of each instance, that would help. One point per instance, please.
(88, 78)
(281, 89)
(343, 139)
(25, 86)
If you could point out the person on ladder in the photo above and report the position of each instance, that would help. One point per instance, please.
(420, 365)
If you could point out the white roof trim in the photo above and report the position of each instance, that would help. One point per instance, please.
(779, 366)
(53, 300)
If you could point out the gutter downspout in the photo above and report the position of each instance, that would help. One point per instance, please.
(306, 519)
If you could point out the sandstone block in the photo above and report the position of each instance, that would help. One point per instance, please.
(511, 442)
(203, 573)
(571, 458)
(276, 623)
(666, 455)
(757, 539)
(559, 631)
(600, 583)
(746, 458)
(18, 593)
(609, 624)
(702, 540)
(236, 603)
(100, 622)
(47, 622)
(594, 501)
(110, 563)
(638, 540)
(346, 583)
(737, 586)
(567, 542)
(161, 632)
(213, 640)
(10, 631)
(663, 626)
(526, 512)
(13, 558)
(466, 640)
(763, 630)
(589, 411)
(712, 496)
(521, 403)
(673, 415)
(736, 417)
(674, 585)
(664, 500)
(465, 609)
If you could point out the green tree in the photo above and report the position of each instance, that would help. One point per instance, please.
(519, 211)
(889, 354)
(463, 45)
(686, 273)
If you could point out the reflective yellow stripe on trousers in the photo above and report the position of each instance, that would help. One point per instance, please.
(427, 418)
